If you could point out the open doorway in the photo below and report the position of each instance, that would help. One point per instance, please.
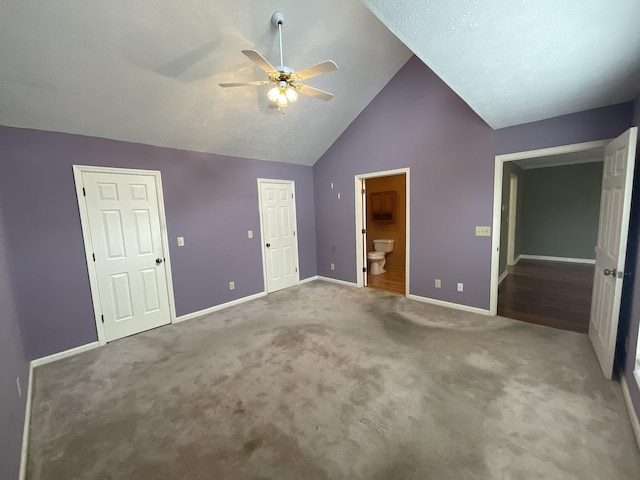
(382, 206)
(612, 236)
(547, 277)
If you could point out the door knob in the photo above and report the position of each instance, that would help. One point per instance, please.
(610, 272)
(268, 245)
(158, 261)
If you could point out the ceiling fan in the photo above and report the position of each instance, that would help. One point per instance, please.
(285, 79)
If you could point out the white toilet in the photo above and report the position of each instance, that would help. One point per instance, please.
(377, 258)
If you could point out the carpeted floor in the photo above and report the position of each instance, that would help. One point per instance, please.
(329, 382)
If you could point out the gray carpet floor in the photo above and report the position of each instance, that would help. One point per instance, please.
(322, 381)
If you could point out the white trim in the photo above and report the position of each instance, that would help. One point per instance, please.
(295, 227)
(547, 258)
(359, 222)
(222, 306)
(503, 276)
(78, 170)
(339, 282)
(518, 258)
(24, 453)
(497, 201)
(633, 416)
(308, 280)
(64, 354)
(559, 150)
(27, 412)
(442, 303)
(562, 164)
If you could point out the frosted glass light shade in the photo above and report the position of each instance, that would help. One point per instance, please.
(274, 94)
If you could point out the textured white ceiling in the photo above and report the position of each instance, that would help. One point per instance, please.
(519, 61)
(148, 71)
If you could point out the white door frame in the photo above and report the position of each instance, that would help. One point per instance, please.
(511, 232)
(295, 226)
(497, 201)
(359, 180)
(78, 170)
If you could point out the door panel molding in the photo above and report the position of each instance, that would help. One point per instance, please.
(78, 171)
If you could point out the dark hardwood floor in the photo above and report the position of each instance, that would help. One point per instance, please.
(554, 294)
(391, 281)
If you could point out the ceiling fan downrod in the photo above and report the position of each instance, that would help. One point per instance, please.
(277, 19)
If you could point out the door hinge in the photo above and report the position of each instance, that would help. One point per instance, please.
(364, 269)
(84, 192)
(94, 256)
(102, 318)
(364, 231)
(294, 233)
(296, 269)
(364, 191)
(292, 195)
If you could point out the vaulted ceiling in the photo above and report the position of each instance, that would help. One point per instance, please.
(148, 71)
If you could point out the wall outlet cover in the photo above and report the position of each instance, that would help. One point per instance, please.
(333, 266)
(483, 231)
(438, 283)
(232, 285)
(250, 234)
(181, 241)
(460, 287)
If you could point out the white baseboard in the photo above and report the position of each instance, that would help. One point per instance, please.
(307, 280)
(215, 308)
(442, 303)
(502, 277)
(335, 280)
(633, 416)
(25, 430)
(518, 258)
(558, 259)
(67, 353)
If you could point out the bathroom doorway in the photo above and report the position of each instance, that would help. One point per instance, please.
(382, 206)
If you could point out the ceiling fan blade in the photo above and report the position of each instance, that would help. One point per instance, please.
(259, 60)
(314, 92)
(318, 69)
(244, 84)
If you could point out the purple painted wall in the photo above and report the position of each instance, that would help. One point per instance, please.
(211, 200)
(417, 121)
(597, 124)
(14, 364)
(631, 298)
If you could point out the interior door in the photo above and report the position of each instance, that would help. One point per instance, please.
(280, 243)
(126, 238)
(615, 205)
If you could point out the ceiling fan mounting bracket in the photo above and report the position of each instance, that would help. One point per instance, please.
(277, 19)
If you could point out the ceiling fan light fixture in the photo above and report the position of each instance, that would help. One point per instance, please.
(282, 100)
(291, 94)
(273, 94)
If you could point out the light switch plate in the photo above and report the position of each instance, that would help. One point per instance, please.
(250, 234)
(181, 241)
(483, 231)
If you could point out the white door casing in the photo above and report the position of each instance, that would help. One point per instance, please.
(122, 218)
(613, 229)
(279, 233)
(511, 231)
(364, 232)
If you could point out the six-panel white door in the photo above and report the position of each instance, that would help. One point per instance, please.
(615, 206)
(126, 239)
(279, 234)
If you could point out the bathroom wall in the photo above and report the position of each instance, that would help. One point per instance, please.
(396, 230)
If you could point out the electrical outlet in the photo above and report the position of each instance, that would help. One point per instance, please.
(232, 285)
(338, 196)
(181, 241)
(19, 386)
(331, 185)
(438, 283)
(460, 287)
(483, 231)
(250, 234)
(333, 266)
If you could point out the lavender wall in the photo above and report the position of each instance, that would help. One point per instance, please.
(631, 297)
(14, 364)
(417, 122)
(211, 200)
